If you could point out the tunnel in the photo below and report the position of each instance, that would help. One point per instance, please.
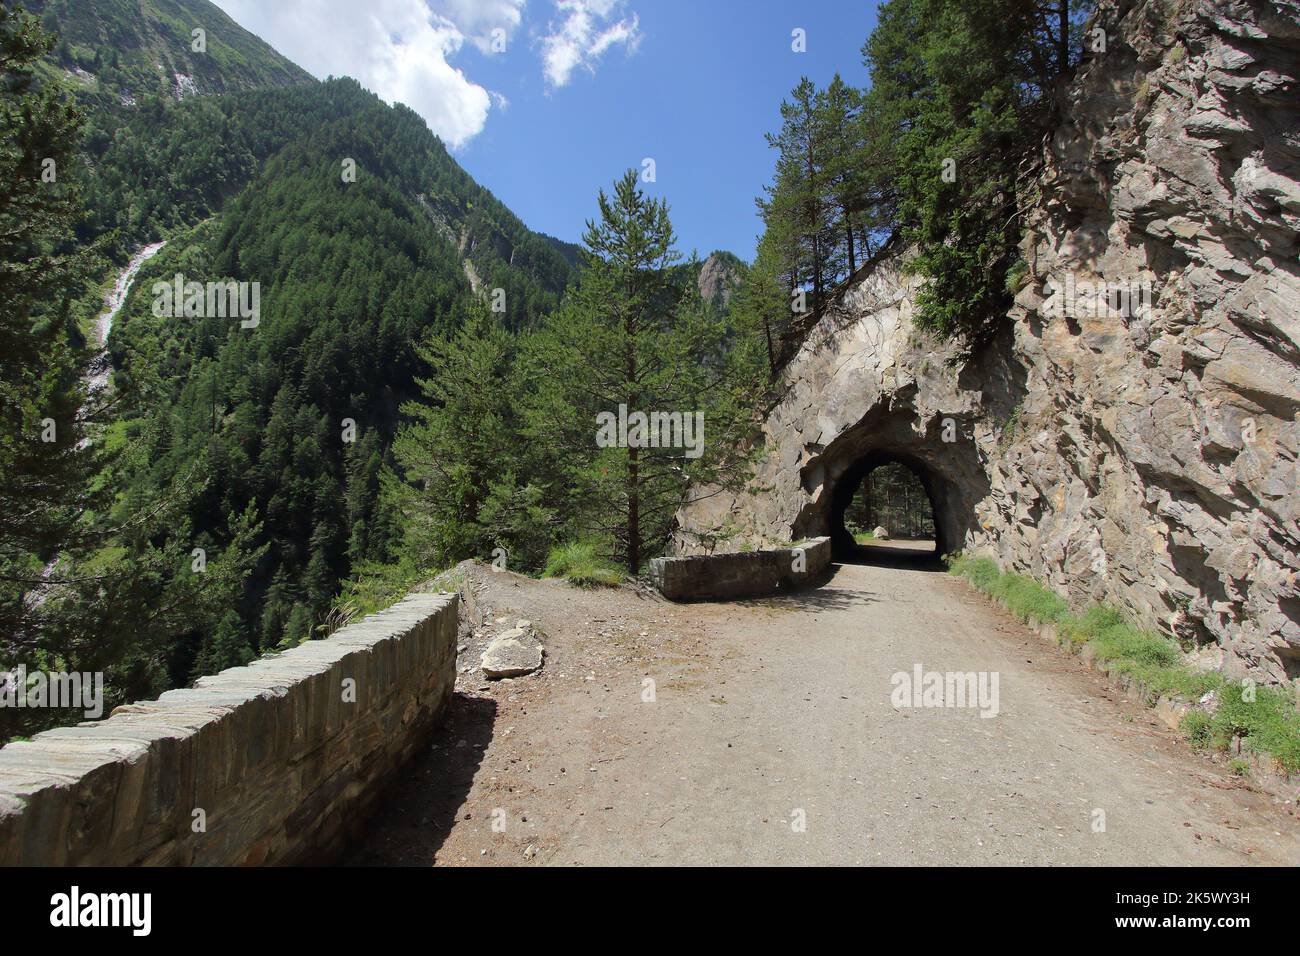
(917, 537)
(939, 451)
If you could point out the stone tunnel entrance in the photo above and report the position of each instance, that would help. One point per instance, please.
(885, 493)
(938, 462)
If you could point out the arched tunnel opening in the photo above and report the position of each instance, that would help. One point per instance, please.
(883, 510)
(940, 470)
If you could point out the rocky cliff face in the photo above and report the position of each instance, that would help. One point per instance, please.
(1133, 436)
(719, 276)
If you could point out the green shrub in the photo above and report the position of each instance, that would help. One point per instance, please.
(1024, 596)
(982, 572)
(1027, 598)
(1195, 726)
(579, 563)
(1270, 722)
(372, 588)
(1126, 643)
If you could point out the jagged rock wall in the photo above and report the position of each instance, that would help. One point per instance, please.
(1145, 457)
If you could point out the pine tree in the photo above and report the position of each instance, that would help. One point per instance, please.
(840, 121)
(797, 202)
(761, 308)
(227, 646)
(634, 339)
(456, 461)
(44, 470)
(962, 93)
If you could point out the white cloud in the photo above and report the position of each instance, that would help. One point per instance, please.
(398, 48)
(582, 35)
(478, 19)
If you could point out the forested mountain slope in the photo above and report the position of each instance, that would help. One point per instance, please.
(175, 163)
(293, 419)
(120, 51)
(351, 276)
(234, 471)
(163, 153)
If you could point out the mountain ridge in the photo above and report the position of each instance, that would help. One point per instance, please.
(118, 51)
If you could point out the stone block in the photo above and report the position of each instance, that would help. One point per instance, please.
(741, 574)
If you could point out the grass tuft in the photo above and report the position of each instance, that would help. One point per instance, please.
(579, 563)
(1263, 718)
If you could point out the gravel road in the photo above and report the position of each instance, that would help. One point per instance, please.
(771, 738)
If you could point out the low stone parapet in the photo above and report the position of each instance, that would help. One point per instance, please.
(741, 574)
(276, 762)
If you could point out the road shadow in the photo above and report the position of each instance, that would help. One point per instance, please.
(821, 594)
(907, 554)
(418, 810)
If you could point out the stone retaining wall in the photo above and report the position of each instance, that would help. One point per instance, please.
(742, 574)
(271, 763)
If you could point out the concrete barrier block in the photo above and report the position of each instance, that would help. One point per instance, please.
(743, 574)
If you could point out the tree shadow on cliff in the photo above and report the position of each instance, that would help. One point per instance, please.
(418, 810)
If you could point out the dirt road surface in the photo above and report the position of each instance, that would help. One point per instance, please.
(768, 736)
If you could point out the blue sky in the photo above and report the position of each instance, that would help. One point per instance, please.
(546, 101)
